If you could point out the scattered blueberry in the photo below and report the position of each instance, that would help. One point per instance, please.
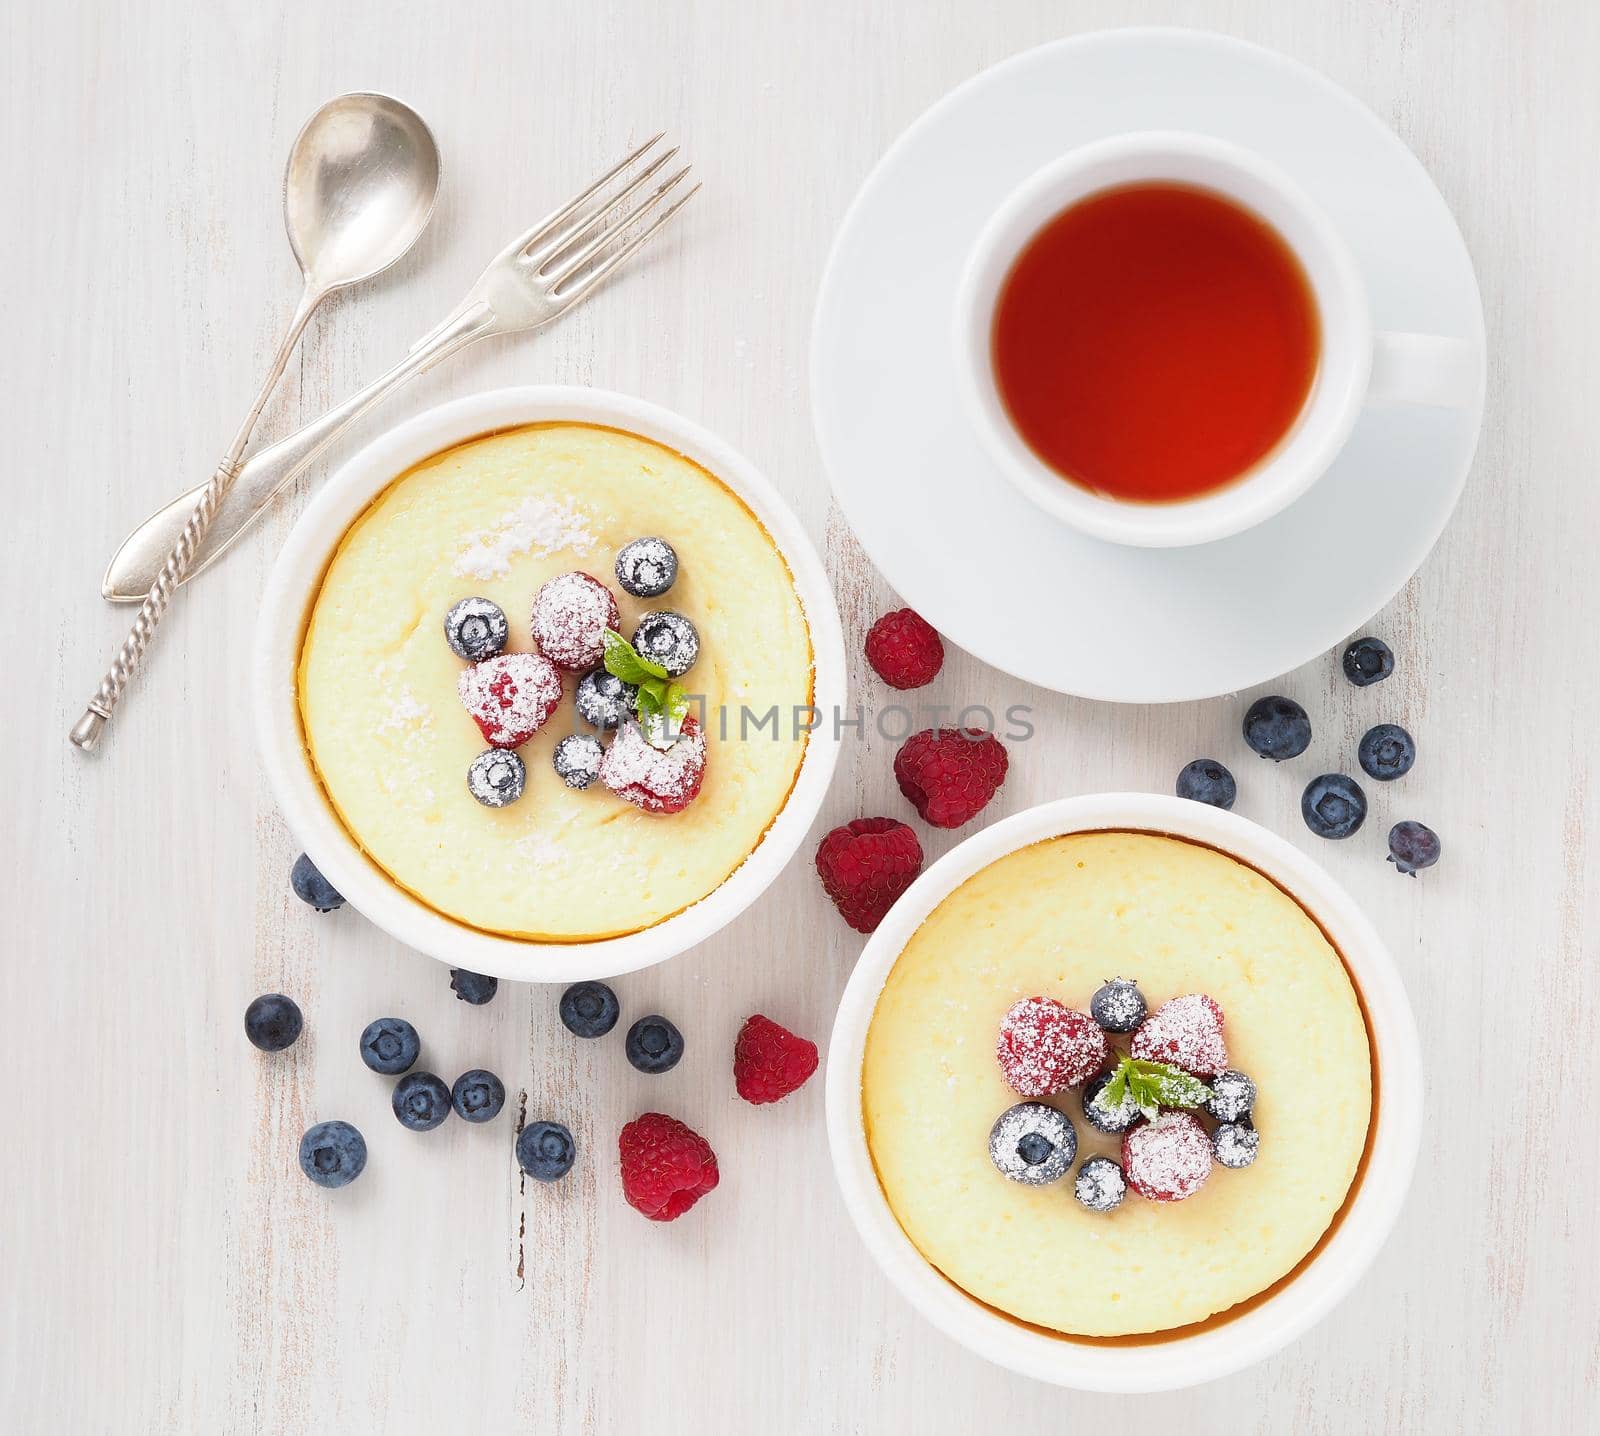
(669, 639)
(1387, 752)
(589, 1009)
(576, 759)
(473, 987)
(333, 1154)
(647, 567)
(421, 1101)
(653, 1045)
(478, 1096)
(1118, 1005)
(390, 1045)
(545, 1151)
(496, 777)
(1368, 661)
(1333, 805)
(476, 629)
(1032, 1143)
(272, 1022)
(1206, 781)
(1233, 1095)
(1100, 1185)
(311, 887)
(1277, 727)
(1234, 1144)
(603, 700)
(1101, 1117)
(1412, 847)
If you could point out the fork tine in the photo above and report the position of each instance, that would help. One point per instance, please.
(588, 281)
(523, 241)
(573, 262)
(549, 250)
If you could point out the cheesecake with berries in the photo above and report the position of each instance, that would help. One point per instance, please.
(455, 641)
(1117, 1084)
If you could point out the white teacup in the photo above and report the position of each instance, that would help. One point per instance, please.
(1356, 365)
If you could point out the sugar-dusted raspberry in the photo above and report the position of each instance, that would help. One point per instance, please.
(510, 696)
(571, 613)
(865, 865)
(657, 780)
(1168, 1159)
(1045, 1047)
(950, 774)
(769, 1061)
(904, 650)
(1186, 1032)
(666, 1166)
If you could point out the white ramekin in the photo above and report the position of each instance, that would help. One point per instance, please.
(293, 585)
(1219, 1348)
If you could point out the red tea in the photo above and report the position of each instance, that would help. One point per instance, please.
(1154, 342)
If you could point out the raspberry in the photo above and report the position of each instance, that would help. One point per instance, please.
(950, 774)
(866, 865)
(1168, 1159)
(1186, 1032)
(647, 777)
(769, 1061)
(571, 613)
(904, 650)
(666, 1166)
(510, 696)
(1044, 1047)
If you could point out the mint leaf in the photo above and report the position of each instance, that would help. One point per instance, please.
(677, 704)
(622, 660)
(1116, 1092)
(649, 703)
(1150, 1086)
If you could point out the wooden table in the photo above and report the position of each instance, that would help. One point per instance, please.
(166, 1267)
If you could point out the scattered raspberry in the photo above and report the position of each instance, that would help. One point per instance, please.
(510, 696)
(571, 613)
(666, 1166)
(1168, 1159)
(949, 774)
(866, 865)
(769, 1061)
(1045, 1047)
(1187, 1032)
(659, 781)
(904, 650)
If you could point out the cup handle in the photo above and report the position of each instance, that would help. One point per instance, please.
(1426, 369)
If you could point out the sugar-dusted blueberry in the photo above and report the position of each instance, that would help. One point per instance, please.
(603, 700)
(589, 1009)
(647, 567)
(1412, 847)
(1277, 727)
(1333, 805)
(1100, 1185)
(478, 1096)
(1118, 1005)
(312, 888)
(1101, 1115)
(473, 987)
(576, 759)
(476, 629)
(1233, 1095)
(669, 639)
(545, 1151)
(273, 1022)
(1367, 661)
(1032, 1143)
(390, 1046)
(496, 777)
(421, 1101)
(333, 1154)
(1234, 1144)
(653, 1045)
(1206, 781)
(1387, 752)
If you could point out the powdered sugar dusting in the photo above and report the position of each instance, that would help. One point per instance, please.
(571, 613)
(658, 782)
(510, 696)
(537, 526)
(1187, 1032)
(1168, 1159)
(1045, 1046)
(408, 718)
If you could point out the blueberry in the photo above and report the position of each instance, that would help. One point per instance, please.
(1333, 805)
(1234, 1144)
(1387, 752)
(1101, 1117)
(1412, 847)
(390, 1045)
(473, 987)
(545, 1151)
(478, 1096)
(669, 639)
(1368, 661)
(476, 629)
(1206, 781)
(272, 1022)
(576, 759)
(589, 1009)
(1100, 1185)
(653, 1045)
(333, 1154)
(421, 1101)
(311, 887)
(603, 700)
(1118, 1005)
(1032, 1143)
(1233, 1095)
(647, 567)
(496, 777)
(1277, 728)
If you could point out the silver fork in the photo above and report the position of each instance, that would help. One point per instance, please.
(536, 278)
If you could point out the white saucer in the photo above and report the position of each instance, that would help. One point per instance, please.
(987, 568)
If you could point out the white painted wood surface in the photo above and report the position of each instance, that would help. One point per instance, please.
(166, 1268)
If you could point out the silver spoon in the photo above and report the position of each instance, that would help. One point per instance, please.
(359, 189)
